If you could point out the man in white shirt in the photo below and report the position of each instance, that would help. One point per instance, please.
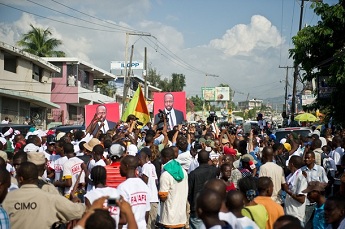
(134, 191)
(149, 176)
(73, 174)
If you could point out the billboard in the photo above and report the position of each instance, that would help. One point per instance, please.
(120, 65)
(215, 93)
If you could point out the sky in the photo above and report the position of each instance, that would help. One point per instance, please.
(241, 43)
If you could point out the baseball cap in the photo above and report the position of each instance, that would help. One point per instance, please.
(287, 146)
(315, 186)
(37, 158)
(250, 158)
(31, 147)
(116, 150)
(132, 150)
(229, 151)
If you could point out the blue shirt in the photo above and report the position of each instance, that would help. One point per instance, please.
(4, 220)
(319, 217)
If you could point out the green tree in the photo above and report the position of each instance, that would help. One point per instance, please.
(153, 77)
(198, 103)
(178, 82)
(106, 88)
(320, 51)
(38, 41)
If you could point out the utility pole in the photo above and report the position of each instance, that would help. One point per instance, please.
(286, 86)
(145, 72)
(295, 75)
(127, 81)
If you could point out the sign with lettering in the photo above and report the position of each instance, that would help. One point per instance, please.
(119, 65)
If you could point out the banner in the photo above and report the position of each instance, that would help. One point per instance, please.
(112, 113)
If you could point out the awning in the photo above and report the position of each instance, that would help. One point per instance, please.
(29, 98)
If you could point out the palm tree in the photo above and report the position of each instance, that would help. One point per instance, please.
(38, 42)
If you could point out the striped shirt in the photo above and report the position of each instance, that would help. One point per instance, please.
(4, 220)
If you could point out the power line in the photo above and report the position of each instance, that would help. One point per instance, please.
(91, 22)
(125, 28)
(63, 22)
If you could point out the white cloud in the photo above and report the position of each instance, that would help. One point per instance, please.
(243, 39)
(245, 56)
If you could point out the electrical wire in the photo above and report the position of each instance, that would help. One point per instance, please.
(91, 22)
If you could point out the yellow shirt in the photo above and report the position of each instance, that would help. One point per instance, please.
(257, 213)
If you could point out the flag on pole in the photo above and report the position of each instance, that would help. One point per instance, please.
(137, 106)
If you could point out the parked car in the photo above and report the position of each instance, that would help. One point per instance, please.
(283, 132)
(21, 127)
(67, 128)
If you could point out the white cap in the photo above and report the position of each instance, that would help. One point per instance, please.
(283, 140)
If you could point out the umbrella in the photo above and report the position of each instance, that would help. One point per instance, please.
(306, 117)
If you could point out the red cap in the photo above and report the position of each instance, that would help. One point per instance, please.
(229, 151)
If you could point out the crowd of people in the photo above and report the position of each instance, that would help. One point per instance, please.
(158, 176)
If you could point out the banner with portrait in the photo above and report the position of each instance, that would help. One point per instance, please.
(112, 112)
(172, 103)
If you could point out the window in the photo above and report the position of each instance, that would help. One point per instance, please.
(72, 75)
(58, 74)
(37, 72)
(10, 62)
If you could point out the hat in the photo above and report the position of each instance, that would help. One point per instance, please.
(31, 148)
(116, 150)
(202, 140)
(37, 158)
(287, 146)
(315, 186)
(60, 135)
(93, 142)
(282, 141)
(251, 158)
(132, 150)
(225, 140)
(317, 132)
(273, 136)
(146, 150)
(229, 151)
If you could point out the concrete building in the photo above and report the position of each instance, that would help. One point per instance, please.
(250, 104)
(78, 84)
(25, 86)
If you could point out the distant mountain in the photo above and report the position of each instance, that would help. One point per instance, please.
(275, 102)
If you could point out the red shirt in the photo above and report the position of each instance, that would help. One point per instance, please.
(114, 177)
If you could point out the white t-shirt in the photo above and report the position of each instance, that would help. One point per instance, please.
(58, 167)
(72, 169)
(149, 170)
(136, 193)
(173, 208)
(297, 183)
(247, 223)
(106, 191)
(94, 164)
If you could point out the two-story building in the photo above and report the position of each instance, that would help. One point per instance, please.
(25, 86)
(78, 84)
(250, 104)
